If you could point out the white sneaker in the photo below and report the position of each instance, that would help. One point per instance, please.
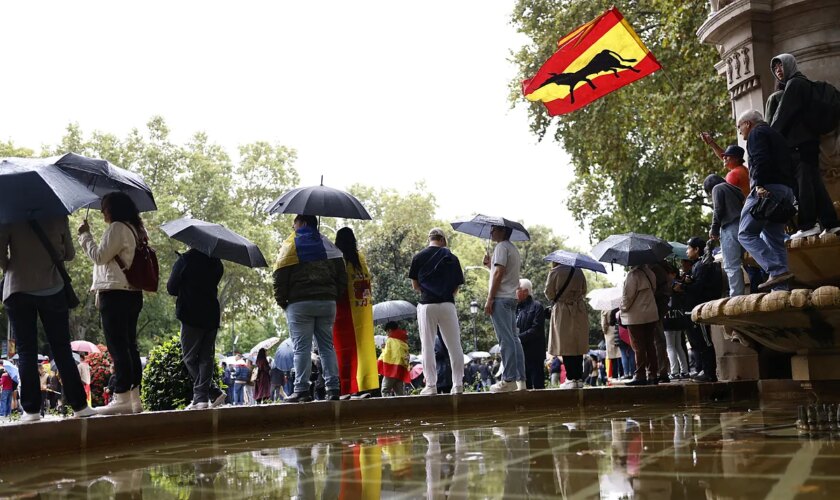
(569, 384)
(428, 391)
(457, 389)
(136, 404)
(201, 405)
(804, 233)
(30, 417)
(86, 412)
(521, 386)
(120, 404)
(503, 386)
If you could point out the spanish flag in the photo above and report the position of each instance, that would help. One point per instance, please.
(595, 59)
(306, 245)
(393, 362)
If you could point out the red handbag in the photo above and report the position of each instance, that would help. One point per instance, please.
(144, 272)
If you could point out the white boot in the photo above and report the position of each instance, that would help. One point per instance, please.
(120, 405)
(136, 403)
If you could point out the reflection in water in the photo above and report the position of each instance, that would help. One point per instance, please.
(651, 453)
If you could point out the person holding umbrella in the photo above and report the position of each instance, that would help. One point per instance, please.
(569, 331)
(309, 277)
(119, 302)
(353, 329)
(194, 282)
(33, 286)
(640, 314)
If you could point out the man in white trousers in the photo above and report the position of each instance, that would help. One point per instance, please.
(436, 273)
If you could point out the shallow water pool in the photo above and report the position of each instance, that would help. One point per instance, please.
(636, 452)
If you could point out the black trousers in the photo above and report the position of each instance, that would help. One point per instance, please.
(23, 311)
(574, 367)
(199, 346)
(701, 342)
(814, 202)
(535, 372)
(119, 310)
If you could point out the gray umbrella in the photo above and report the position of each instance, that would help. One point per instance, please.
(573, 259)
(480, 226)
(31, 190)
(284, 358)
(215, 240)
(631, 249)
(393, 310)
(319, 200)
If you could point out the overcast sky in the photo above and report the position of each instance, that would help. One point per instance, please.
(382, 93)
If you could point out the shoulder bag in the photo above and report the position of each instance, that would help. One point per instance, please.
(69, 293)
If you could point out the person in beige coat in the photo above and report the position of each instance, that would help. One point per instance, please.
(640, 315)
(568, 337)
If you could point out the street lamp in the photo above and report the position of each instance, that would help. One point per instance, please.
(474, 313)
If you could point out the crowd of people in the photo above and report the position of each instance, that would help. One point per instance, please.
(324, 287)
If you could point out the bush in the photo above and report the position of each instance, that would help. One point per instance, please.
(166, 383)
(100, 364)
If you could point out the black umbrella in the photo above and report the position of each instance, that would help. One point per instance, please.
(393, 310)
(319, 200)
(102, 178)
(29, 190)
(215, 240)
(631, 249)
(573, 259)
(480, 226)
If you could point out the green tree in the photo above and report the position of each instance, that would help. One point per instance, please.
(638, 161)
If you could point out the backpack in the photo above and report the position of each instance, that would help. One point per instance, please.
(144, 272)
(823, 113)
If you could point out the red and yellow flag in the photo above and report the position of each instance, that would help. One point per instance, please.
(593, 60)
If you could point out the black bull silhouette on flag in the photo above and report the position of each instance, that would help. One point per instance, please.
(606, 60)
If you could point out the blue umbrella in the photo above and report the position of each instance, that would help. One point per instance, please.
(679, 250)
(31, 190)
(480, 226)
(284, 358)
(215, 240)
(12, 370)
(573, 259)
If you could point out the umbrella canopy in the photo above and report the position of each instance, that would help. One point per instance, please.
(32, 190)
(265, 344)
(605, 299)
(319, 200)
(102, 177)
(379, 340)
(467, 359)
(480, 226)
(41, 357)
(478, 354)
(631, 249)
(601, 354)
(496, 349)
(83, 346)
(284, 358)
(393, 310)
(12, 370)
(679, 250)
(215, 240)
(573, 259)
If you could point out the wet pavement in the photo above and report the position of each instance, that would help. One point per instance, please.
(636, 452)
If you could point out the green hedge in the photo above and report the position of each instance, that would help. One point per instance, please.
(166, 383)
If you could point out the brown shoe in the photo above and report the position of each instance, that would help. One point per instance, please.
(776, 280)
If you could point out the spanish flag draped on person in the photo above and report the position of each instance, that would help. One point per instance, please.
(593, 60)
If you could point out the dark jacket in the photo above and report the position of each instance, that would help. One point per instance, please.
(662, 294)
(530, 321)
(789, 117)
(770, 161)
(727, 200)
(195, 281)
(703, 285)
(318, 280)
(242, 374)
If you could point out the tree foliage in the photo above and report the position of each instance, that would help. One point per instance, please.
(638, 162)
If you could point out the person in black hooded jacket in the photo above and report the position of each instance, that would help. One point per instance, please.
(195, 281)
(790, 119)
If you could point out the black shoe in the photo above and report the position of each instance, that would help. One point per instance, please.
(298, 397)
(653, 381)
(665, 379)
(637, 381)
(703, 378)
(332, 396)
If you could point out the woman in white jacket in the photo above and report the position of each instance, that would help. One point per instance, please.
(119, 303)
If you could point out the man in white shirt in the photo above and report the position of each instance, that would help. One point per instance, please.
(501, 307)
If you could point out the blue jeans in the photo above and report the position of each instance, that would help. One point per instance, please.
(5, 403)
(628, 359)
(765, 240)
(308, 319)
(731, 249)
(238, 394)
(504, 322)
